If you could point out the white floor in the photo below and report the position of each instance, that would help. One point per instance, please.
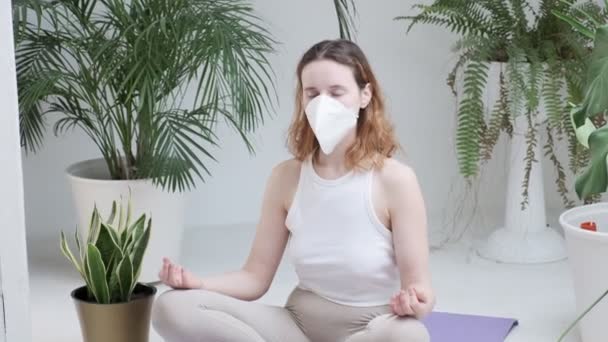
(540, 296)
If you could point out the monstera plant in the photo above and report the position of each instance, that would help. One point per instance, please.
(588, 118)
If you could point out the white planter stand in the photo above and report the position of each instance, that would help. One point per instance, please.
(91, 185)
(587, 253)
(525, 237)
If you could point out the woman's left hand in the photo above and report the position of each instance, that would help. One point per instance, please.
(416, 301)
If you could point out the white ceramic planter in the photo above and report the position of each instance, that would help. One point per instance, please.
(525, 237)
(588, 253)
(91, 185)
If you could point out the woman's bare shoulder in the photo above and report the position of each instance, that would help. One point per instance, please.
(288, 170)
(284, 180)
(395, 174)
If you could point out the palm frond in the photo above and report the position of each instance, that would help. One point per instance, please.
(346, 12)
(119, 71)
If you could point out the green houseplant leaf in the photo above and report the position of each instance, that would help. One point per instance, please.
(126, 278)
(96, 272)
(131, 233)
(65, 249)
(139, 249)
(594, 180)
(120, 73)
(596, 94)
(94, 226)
(538, 55)
(110, 264)
(107, 243)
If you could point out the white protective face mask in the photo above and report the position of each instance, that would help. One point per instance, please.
(330, 120)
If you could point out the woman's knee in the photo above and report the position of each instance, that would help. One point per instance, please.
(189, 315)
(409, 329)
(400, 329)
(166, 309)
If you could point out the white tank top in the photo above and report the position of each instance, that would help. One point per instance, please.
(339, 248)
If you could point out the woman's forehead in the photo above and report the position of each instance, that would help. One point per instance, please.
(326, 73)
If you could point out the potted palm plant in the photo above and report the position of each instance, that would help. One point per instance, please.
(588, 248)
(112, 305)
(515, 60)
(148, 81)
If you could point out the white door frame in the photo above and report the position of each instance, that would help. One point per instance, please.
(14, 282)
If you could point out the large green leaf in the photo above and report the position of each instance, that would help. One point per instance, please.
(346, 12)
(595, 178)
(125, 277)
(132, 233)
(107, 243)
(65, 249)
(596, 97)
(110, 220)
(113, 282)
(94, 225)
(97, 275)
(576, 24)
(139, 249)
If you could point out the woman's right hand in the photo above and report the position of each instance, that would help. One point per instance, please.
(177, 277)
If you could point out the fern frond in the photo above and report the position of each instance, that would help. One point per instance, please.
(530, 159)
(578, 154)
(534, 82)
(502, 17)
(552, 99)
(499, 120)
(470, 114)
(560, 181)
(518, 7)
(469, 47)
(461, 17)
(516, 80)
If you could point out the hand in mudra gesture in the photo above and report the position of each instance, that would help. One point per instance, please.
(177, 277)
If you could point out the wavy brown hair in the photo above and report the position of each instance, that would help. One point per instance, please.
(375, 134)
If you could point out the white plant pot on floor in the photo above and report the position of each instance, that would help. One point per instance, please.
(525, 237)
(91, 185)
(587, 253)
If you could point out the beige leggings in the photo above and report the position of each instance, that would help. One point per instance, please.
(203, 316)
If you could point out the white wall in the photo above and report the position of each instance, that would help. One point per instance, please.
(14, 281)
(412, 70)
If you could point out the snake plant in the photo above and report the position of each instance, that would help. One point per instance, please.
(110, 258)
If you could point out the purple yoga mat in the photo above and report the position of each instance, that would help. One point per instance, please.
(450, 327)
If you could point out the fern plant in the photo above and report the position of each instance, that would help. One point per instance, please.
(541, 56)
(147, 80)
(109, 260)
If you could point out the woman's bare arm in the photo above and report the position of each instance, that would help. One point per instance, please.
(255, 277)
